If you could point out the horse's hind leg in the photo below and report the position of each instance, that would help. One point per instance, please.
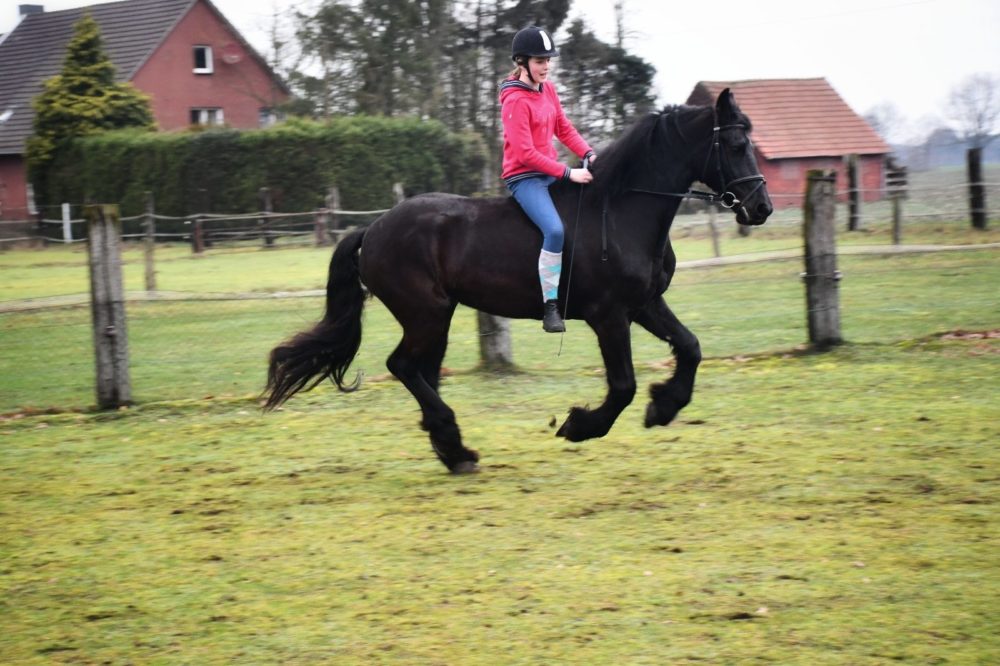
(430, 366)
(616, 349)
(416, 362)
(670, 397)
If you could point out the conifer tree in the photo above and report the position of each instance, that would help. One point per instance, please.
(83, 99)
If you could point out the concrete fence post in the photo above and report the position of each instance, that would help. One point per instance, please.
(67, 224)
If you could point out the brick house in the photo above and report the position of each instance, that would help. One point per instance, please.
(194, 65)
(802, 124)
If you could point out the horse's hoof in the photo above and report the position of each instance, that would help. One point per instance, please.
(657, 416)
(567, 431)
(465, 467)
(652, 416)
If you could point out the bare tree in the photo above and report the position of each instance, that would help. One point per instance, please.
(887, 121)
(974, 106)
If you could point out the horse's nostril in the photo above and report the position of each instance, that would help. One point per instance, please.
(764, 209)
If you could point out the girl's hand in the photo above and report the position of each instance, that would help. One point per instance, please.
(581, 176)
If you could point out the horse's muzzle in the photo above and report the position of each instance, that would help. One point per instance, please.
(753, 214)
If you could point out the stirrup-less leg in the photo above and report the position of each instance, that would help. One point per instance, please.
(549, 271)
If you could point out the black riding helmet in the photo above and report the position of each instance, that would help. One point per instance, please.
(533, 42)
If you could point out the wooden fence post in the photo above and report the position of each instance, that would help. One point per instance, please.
(895, 184)
(495, 349)
(149, 242)
(714, 229)
(197, 236)
(333, 205)
(897, 219)
(107, 305)
(266, 208)
(398, 192)
(853, 193)
(977, 190)
(320, 225)
(821, 275)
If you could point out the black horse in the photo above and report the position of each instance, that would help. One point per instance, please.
(432, 252)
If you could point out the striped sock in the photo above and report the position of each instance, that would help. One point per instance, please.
(549, 270)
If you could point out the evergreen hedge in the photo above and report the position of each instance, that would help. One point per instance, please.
(222, 171)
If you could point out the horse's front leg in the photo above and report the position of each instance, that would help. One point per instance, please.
(616, 348)
(670, 397)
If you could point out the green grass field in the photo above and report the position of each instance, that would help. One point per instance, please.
(835, 508)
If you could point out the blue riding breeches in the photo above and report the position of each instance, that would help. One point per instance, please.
(533, 196)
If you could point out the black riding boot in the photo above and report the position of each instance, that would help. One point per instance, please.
(552, 322)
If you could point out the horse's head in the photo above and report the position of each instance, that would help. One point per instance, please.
(663, 153)
(731, 167)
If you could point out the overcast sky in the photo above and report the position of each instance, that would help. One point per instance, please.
(906, 52)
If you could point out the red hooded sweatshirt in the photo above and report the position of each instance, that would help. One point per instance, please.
(530, 119)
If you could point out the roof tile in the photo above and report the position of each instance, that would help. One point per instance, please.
(34, 51)
(797, 117)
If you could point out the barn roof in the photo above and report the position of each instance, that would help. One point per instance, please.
(131, 30)
(797, 117)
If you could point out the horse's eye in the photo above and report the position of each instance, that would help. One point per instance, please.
(738, 146)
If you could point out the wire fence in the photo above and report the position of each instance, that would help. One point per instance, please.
(185, 345)
(942, 203)
(188, 348)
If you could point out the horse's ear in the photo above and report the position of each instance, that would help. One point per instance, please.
(724, 105)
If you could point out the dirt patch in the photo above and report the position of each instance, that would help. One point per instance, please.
(971, 335)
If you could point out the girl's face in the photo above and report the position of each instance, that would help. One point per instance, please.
(539, 68)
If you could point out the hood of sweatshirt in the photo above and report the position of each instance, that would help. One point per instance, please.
(513, 87)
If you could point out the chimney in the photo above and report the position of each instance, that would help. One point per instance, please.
(28, 10)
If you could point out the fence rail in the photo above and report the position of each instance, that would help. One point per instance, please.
(201, 229)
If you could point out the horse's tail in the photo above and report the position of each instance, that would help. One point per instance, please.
(329, 347)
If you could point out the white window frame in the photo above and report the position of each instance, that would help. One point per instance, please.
(268, 117)
(209, 67)
(210, 116)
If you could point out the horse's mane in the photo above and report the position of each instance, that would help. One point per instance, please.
(645, 149)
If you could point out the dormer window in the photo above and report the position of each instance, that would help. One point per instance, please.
(203, 60)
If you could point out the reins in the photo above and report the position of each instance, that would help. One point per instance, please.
(572, 254)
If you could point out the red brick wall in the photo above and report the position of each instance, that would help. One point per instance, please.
(786, 178)
(13, 188)
(240, 89)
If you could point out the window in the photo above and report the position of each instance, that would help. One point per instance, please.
(203, 60)
(207, 117)
(267, 117)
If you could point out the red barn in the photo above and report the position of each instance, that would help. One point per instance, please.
(802, 124)
(184, 54)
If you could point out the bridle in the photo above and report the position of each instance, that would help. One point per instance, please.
(727, 199)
